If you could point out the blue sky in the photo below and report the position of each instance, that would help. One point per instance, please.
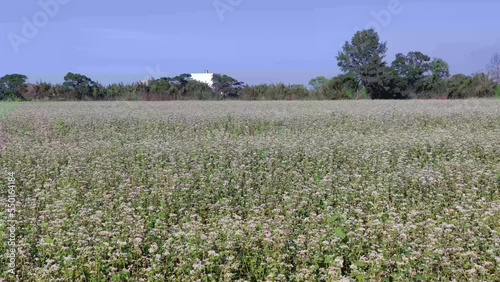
(256, 41)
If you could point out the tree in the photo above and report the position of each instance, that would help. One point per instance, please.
(116, 90)
(98, 91)
(317, 82)
(180, 81)
(413, 69)
(413, 74)
(340, 87)
(80, 85)
(176, 85)
(461, 86)
(388, 85)
(413, 66)
(183, 79)
(297, 91)
(434, 85)
(161, 85)
(12, 86)
(483, 85)
(199, 91)
(363, 58)
(440, 70)
(227, 86)
(494, 68)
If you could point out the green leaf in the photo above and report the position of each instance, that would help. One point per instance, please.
(48, 240)
(162, 215)
(360, 277)
(360, 264)
(340, 233)
(331, 219)
(329, 259)
(45, 224)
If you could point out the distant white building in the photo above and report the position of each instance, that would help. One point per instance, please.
(206, 77)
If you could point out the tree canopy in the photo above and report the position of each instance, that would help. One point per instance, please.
(12, 86)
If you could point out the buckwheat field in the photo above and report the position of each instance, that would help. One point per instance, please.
(253, 191)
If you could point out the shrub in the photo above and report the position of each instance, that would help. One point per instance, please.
(199, 91)
(339, 87)
(461, 86)
(278, 91)
(297, 91)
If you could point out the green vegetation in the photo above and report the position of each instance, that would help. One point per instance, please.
(365, 75)
(246, 191)
(12, 86)
(317, 82)
(7, 108)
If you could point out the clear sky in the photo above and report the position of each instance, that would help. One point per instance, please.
(256, 41)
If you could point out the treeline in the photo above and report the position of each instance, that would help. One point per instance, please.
(182, 87)
(409, 76)
(365, 75)
(80, 87)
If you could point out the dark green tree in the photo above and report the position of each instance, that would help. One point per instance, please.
(389, 85)
(161, 86)
(413, 70)
(440, 70)
(179, 81)
(226, 86)
(81, 86)
(199, 91)
(12, 86)
(363, 58)
(342, 86)
(434, 84)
